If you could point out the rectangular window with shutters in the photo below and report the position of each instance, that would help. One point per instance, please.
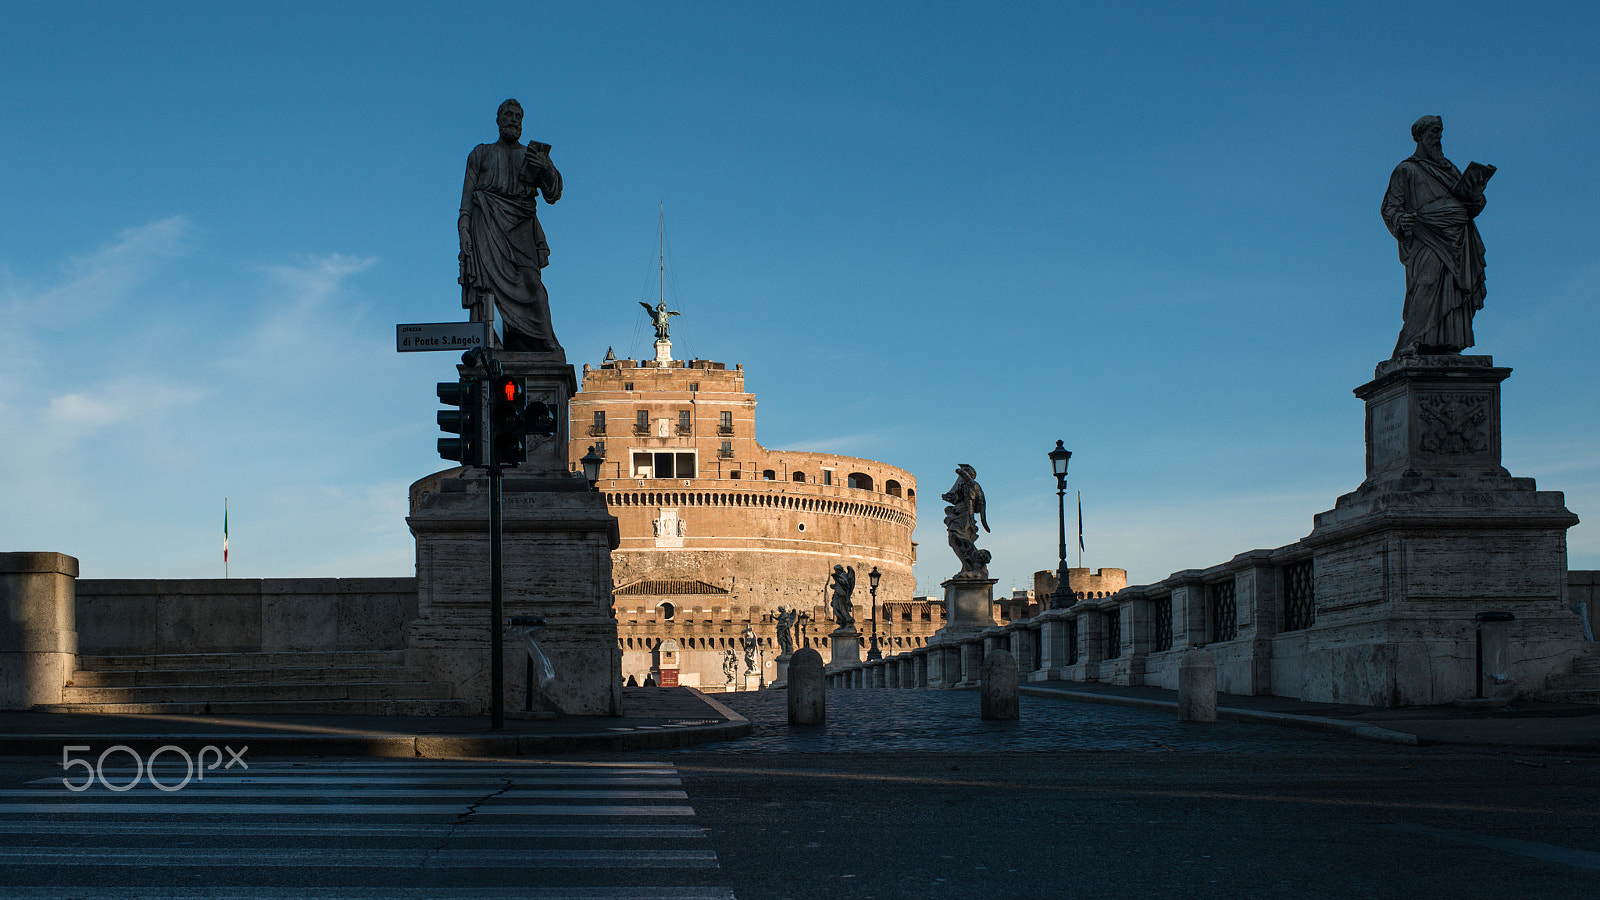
(725, 422)
(641, 421)
(685, 422)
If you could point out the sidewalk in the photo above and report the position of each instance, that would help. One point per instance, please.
(652, 719)
(1521, 723)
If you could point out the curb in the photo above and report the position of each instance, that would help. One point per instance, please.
(431, 746)
(1284, 720)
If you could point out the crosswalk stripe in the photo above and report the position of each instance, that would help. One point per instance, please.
(358, 790)
(236, 827)
(370, 894)
(365, 859)
(170, 775)
(145, 807)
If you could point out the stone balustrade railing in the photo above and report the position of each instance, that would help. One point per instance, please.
(1136, 636)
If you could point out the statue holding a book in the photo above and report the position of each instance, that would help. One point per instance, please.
(1429, 209)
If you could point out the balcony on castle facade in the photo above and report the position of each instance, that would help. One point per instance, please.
(725, 453)
(641, 429)
(685, 428)
(725, 430)
(597, 431)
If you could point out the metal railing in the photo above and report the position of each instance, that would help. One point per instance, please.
(1224, 611)
(1299, 601)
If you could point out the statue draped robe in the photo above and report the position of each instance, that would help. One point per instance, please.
(1443, 255)
(499, 198)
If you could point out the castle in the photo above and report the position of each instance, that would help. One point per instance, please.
(718, 532)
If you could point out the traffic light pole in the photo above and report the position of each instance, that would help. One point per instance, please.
(497, 655)
(497, 662)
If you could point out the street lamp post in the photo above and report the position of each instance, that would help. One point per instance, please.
(1059, 457)
(591, 468)
(873, 653)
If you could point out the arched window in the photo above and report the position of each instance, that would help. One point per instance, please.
(891, 487)
(860, 481)
(800, 477)
(668, 610)
(911, 494)
(768, 475)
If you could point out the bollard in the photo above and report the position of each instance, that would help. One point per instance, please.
(1197, 687)
(808, 703)
(998, 685)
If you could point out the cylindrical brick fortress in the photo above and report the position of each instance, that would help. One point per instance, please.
(718, 532)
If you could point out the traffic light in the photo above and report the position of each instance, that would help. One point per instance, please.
(465, 420)
(540, 418)
(508, 430)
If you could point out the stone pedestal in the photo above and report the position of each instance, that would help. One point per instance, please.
(1437, 533)
(845, 645)
(752, 681)
(663, 351)
(782, 678)
(969, 607)
(38, 627)
(557, 543)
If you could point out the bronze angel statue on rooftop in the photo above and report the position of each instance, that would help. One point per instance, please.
(661, 318)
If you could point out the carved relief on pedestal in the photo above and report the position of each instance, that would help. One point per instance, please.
(1453, 423)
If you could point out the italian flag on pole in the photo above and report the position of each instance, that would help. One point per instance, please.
(224, 537)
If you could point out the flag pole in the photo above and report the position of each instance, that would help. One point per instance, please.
(224, 537)
(1080, 529)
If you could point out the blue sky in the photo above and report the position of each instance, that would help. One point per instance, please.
(933, 233)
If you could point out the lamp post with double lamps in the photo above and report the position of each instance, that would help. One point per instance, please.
(873, 653)
(1059, 457)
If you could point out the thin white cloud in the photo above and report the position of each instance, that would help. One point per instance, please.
(117, 400)
(99, 279)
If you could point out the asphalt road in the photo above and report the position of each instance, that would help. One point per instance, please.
(903, 794)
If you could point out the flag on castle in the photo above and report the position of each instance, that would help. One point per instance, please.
(1080, 521)
(224, 537)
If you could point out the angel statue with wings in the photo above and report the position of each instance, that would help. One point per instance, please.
(844, 585)
(961, 520)
(660, 317)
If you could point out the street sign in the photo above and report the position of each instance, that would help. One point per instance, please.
(456, 336)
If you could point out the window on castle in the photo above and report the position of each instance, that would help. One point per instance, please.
(768, 475)
(800, 477)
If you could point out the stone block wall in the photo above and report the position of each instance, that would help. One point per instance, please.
(242, 615)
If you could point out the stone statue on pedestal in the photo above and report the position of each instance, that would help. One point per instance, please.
(748, 641)
(1429, 208)
(503, 248)
(844, 585)
(730, 665)
(786, 619)
(961, 520)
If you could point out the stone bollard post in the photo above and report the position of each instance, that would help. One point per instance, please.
(808, 703)
(1197, 687)
(999, 686)
(38, 627)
